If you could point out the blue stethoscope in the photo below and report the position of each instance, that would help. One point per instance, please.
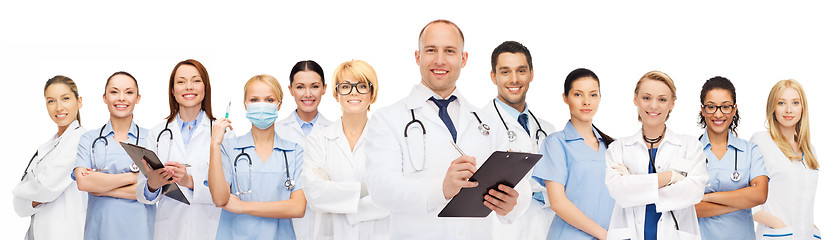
(735, 176)
(289, 183)
(26, 171)
(511, 134)
(134, 167)
(482, 127)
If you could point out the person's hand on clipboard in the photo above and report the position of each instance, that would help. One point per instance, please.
(159, 177)
(456, 178)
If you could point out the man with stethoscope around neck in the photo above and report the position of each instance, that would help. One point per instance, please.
(183, 139)
(416, 169)
(509, 113)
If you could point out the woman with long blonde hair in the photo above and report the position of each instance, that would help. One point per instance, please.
(791, 164)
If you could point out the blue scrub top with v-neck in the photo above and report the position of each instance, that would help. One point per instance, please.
(739, 224)
(571, 162)
(267, 183)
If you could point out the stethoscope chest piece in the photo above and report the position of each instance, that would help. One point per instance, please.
(735, 176)
(484, 128)
(511, 135)
(134, 167)
(289, 184)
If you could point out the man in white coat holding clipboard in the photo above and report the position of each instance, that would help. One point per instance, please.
(413, 169)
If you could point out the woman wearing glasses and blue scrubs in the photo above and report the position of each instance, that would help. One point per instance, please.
(573, 164)
(254, 178)
(737, 177)
(183, 139)
(45, 193)
(105, 170)
(334, 166)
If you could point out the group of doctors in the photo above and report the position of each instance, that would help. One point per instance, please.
(306, 177)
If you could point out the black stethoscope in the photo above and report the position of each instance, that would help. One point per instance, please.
(26, 171)
(511, 134)
(735, 176)
(289, 183)
(134, 167)
(482, 127)
(652, 142)
(171, 139)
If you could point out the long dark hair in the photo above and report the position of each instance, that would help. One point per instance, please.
(718, 82)
(206, 104)
(577, 74)
(307, 65)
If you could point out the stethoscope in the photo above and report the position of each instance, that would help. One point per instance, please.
(134, 167)
(26, 171)
(171, 139)
(652, 142)
(511, 134)
(735, 176)
(482, 127)
(289, 183)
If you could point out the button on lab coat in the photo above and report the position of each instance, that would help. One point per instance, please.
(332, 175)
(535, 222)
(412, 190)
(289, 129)
(176, 220)
(633, 192)
(791, 193)
(62, 210)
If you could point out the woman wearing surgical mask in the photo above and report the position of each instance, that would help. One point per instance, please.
(183, 139)
(573, 163)
(792, 165)
(254, 178)
(45, 193)
(655, 176)
(334, 166)
(308, 84)
(737, 177)
(105, 170)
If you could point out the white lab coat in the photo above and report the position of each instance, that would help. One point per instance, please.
(332, 178)
(791, 193)
(535, 222)
(412, 190)
(62, 212)
(176, 220)
(290, 130)
(633, 192)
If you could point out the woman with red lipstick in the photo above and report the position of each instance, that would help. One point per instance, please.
(737, 176)
(105, 170)
(573, 163)
(184, 138)
(308, 84)
(334, 162)
(655, 176)
(792, 166)
(45, 193)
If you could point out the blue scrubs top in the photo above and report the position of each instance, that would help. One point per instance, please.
(267, 184)
(569, 161)
(739, 224)
(650, 227)
(109, 217)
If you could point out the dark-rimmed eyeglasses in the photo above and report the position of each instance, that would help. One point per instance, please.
(711, 109)
(346, 88)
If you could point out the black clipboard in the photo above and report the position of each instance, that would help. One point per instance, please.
(507, 168)
(138, 153)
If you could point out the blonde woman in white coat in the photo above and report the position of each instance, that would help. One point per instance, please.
(184, 138)
(46, 193)
(307, 86)
(792, 165)
(655, 176)
(333, 166)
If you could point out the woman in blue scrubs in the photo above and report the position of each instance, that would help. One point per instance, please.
(255, 177)
(573, 165)
(737, 176)
(105, 170)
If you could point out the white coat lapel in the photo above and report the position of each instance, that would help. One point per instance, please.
(338, 140)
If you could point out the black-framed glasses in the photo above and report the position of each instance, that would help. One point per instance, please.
(711, 109)
(346, 88)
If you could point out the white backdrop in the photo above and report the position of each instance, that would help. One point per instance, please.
(754, 44)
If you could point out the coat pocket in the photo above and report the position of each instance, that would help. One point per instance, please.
(777, 234)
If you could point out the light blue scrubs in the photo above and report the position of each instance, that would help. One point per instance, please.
(569, 161)
(267, 185)
(739, 224)
(109, 217)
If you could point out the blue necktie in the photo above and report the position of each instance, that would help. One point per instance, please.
(443, 114)
(523, 120)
